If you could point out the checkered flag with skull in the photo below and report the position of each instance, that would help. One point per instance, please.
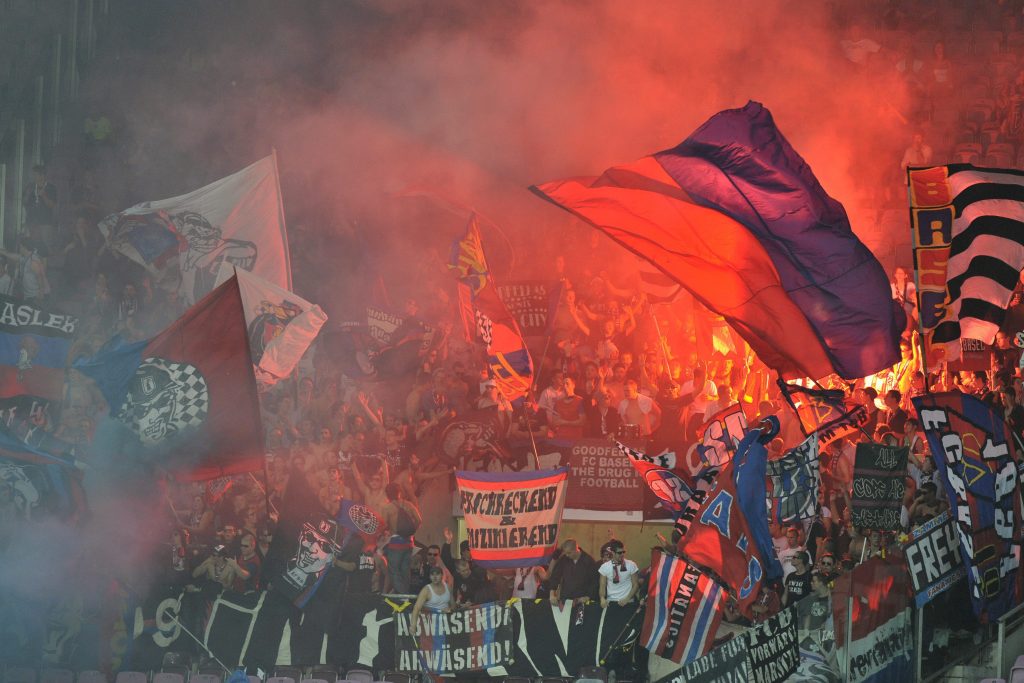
(165, 398)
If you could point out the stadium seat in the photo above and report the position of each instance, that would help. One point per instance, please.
(314, 680)
(292, 672)
(326, 673)
(56, 676)
(169, 677)
(281, 679)
(184, 671)
(966, 151)
(92, 676)
(359, 675)
(254, 679)
(207, 678)
(20, 674)
(593, 673)
(402, 677)
(1017, 671)
(516, 679)
(131, 677)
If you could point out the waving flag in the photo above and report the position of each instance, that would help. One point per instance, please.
(237, 220)
(737, 217)
(683, 609)
(508, 359)
(968, 251)
(467, 258)
(975, 454)
(187, 398)
(825, 412)
(720, 434)
(729, 534)
(794, 481)
(669, 488)
(281, 325)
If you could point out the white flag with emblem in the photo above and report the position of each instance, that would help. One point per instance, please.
(280, 324)
(237, 220)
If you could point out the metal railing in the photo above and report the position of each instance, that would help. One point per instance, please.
(1007, 624)
(40, 89)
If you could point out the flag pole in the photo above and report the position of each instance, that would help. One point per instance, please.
(661, 339)
(917, 287)
(547, 341)
(280, 212)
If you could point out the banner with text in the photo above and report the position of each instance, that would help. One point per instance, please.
(472, 639)
(973, 452)
(532, 303)
(933, 558)
(512, 517)
(601, 479)
(721, 433)
(879, 482)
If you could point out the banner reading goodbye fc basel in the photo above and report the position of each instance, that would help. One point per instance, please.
(512, 517)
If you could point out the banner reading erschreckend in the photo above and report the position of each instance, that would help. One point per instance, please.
(512, 517)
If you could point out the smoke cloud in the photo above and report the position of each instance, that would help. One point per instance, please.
(393, 119)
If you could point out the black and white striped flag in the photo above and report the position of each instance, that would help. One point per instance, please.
(968, 226)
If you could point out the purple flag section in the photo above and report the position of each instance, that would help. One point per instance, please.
(740, 164)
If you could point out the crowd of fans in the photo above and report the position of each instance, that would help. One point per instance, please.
(613, 365)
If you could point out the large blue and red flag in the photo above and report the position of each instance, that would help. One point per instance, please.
(186, 398)
(736, 216)
(729, 534)
(975, 454)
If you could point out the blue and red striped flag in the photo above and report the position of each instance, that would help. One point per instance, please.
(736, 216)
(683, 609)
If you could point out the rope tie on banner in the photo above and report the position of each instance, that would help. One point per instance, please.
(398, 607)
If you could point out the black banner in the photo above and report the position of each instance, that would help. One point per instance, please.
(774, 648)
(472, 639)
(532, 303)
(878, 486)
(724, 664)
(933, 558)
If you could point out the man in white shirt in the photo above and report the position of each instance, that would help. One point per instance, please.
(637, 409)
(619, 577)
(551, 394)
(789, 550)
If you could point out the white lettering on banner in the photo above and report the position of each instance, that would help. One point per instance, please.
(880, 648)
(959, 474)
(444, 640)
(25, 315)
(600, 468)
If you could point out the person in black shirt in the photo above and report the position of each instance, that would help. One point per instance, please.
(357, 561)
(798, 583)
(574, 577)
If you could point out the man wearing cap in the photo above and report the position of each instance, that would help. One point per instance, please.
(619, 581)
